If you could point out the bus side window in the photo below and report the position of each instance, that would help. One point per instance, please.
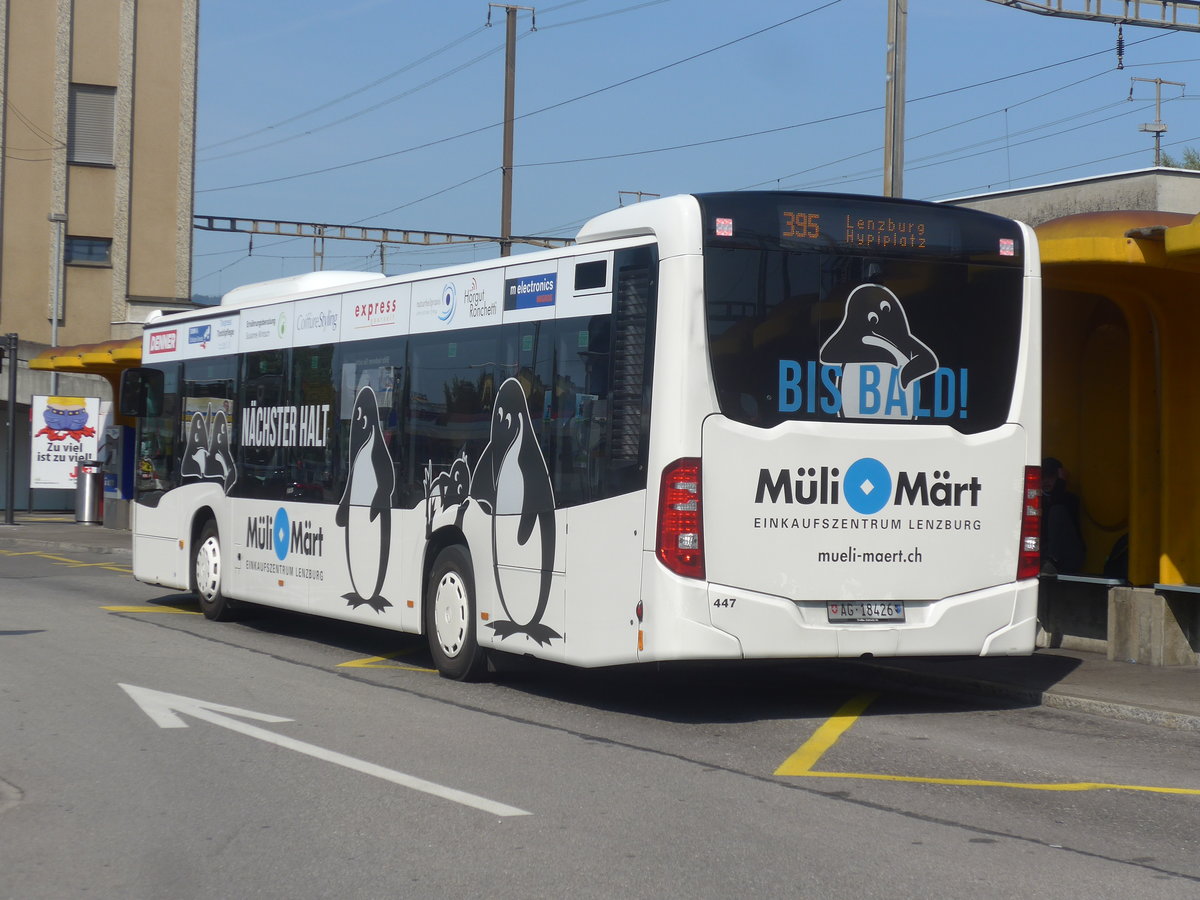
(312, 466)
(157, 432)
(264, 469)
(380, 365)
(453, 379)
(599, 414)
(208, 389)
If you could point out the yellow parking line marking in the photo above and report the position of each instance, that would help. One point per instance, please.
(65, 561)
(381, 662)
(800, 764)
(153, 609)
(802, 761)
(1020, 785)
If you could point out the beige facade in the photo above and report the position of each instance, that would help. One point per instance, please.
(75, 74)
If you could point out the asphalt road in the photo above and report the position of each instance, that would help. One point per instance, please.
(146, 752)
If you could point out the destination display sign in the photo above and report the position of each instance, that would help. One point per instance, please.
(860, 225)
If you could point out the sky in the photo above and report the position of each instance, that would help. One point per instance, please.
(388, 113)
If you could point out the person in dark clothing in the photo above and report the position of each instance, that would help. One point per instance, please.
(1063, 548)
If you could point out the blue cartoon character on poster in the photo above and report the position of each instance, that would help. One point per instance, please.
(65, 417)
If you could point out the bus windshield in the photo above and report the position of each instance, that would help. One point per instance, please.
(848, 310)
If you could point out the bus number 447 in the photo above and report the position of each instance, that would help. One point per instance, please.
(725, 602)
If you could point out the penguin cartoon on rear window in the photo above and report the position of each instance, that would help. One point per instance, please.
(365, 510)
(874, 335)
(511, 479)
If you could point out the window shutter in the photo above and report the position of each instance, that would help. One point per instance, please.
(90, 127)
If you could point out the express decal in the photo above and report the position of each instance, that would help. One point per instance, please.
(874, 367)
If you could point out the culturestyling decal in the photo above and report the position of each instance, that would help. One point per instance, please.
(365, 510)
(510, 479)
(207, 454)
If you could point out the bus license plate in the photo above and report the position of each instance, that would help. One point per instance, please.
(860, 611)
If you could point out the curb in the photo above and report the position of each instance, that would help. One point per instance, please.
(882, 674)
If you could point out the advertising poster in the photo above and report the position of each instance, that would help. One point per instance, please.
(64, 431)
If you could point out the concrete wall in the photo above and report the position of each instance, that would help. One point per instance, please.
(1162, 190)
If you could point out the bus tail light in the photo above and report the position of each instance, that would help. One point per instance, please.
(1029, 560)
(680, 532)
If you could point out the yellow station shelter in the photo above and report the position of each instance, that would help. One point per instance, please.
(1121, 402)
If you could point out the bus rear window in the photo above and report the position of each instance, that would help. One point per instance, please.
(817, 334)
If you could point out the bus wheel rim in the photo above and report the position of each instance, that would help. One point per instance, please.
(450, 611)
(208, 569)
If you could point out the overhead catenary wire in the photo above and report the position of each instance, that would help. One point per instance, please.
(558, 105)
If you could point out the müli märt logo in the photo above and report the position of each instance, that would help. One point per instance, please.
(867, 487)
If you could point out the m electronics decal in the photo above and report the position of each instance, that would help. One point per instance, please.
(530, 291)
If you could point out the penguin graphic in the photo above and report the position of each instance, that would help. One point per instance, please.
(195, 451)
(511, 479)
(220, 465)
(365, 510)
(874, 332)
(207, 454)
(451, 489)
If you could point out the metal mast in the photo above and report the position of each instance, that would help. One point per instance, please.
(1179, 15)
(893, 126)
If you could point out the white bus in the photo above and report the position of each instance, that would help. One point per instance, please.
(721, 426)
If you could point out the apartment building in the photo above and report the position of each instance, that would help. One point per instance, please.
(97, 122)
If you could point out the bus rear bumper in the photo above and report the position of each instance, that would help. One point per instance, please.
(998, 621)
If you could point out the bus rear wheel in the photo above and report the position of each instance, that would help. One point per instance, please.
(450, 616)
(206, 575)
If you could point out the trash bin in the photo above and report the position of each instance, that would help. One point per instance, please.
(89, 492)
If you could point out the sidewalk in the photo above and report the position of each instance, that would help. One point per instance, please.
(1062, 679)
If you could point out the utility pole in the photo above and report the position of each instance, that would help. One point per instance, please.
(893, 126)
(59, 220)
(9, 354)
(1158, 127)
(510, 91)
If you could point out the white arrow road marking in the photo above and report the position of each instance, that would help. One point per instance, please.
(165, 710)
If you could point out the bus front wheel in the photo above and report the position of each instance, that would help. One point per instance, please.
(206, 573)
(450, 616)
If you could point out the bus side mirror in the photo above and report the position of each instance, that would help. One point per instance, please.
(141, 393)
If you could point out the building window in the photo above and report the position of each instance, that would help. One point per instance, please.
(90, 124)
(88, 251)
